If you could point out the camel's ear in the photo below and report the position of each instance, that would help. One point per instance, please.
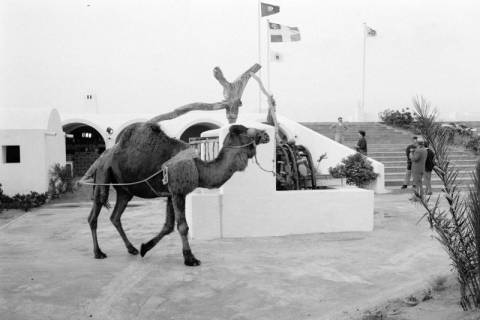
(237, 129)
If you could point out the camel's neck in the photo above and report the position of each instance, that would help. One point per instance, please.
(213, 174)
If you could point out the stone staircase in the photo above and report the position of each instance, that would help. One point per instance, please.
(387, 145)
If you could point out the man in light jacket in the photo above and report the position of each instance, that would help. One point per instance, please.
(340, 129)
(419, 158)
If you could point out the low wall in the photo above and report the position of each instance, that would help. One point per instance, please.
(219, 215)
(248, 205)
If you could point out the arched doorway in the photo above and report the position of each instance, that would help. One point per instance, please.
(196, 130)
(84, 144)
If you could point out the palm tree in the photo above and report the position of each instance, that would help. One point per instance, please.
(457, 226)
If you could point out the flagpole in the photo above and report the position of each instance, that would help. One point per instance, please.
(268, 55)
(260, 51)
(363, 69)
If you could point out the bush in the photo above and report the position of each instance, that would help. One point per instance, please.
(473, 144)
(357, 169)
(403, 118)
(61, 180)
(22, 201)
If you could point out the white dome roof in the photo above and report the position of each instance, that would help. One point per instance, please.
(29, 119)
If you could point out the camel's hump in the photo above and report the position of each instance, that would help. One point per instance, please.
(148, 137)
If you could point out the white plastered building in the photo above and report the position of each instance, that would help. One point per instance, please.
(31, 141)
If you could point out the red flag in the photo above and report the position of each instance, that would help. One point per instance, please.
(269, 9)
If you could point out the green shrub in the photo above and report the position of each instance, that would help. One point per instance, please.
(22, 201)
(357, 169)
(337, 172)
(397, 118)
(61, 180)
(473, 144)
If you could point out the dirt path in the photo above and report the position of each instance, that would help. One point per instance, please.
(47, 270)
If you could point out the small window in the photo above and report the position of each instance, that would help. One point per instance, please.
(11, 154)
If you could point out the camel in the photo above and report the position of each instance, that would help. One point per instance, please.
(141, 152)
(147, 163)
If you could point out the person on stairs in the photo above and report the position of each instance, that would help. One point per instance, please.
(429, 165)
(340, 129)
(362, 143)
(408, 174)
(418, 158)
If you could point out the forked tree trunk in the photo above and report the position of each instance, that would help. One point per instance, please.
(272, 110)
(232, 92)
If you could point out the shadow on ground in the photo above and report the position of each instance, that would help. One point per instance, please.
(47, 270)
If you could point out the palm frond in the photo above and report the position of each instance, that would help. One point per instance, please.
(458, 225)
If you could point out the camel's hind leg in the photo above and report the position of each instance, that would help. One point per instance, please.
(179, 206)
(92, 221)
(167, 229)
(122, 201)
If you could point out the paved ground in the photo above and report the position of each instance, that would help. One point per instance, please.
(47, 270)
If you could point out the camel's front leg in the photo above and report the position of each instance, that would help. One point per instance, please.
(179, 206)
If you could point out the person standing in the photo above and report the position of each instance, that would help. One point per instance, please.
(429, 165)
(362, 143)
(340, 129)
(419, 158)
(408, 174)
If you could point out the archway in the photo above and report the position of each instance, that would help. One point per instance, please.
(83, 145)
(196, 130)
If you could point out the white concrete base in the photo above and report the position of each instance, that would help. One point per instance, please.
(217, 215)
(248, 204)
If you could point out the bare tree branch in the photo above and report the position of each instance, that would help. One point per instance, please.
(232, 92)
(272, 112)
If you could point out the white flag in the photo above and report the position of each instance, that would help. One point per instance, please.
(370, 32)
(281, 33)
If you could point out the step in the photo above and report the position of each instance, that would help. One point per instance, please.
(455, 164)
(436, 188)
(387, 145)
(435, 181)
(401, 175)
(385, 159)
(403, 156)
(403, 168)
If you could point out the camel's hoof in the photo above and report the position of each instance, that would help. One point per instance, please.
(143, 250)
(132, 250)
(192, 262)
(190, 259)
(100, 255)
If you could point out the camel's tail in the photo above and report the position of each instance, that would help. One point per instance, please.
(93, 175)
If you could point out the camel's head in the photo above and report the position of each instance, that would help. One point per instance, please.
(241, 137)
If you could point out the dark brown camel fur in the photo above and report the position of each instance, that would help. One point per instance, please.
(141, 151)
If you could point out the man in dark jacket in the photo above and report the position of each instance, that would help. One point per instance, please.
(429, 165)
(411, 147)
(362, 143)
(418, 158)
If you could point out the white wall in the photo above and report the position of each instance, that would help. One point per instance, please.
(31, 173)
(40, 149)
(54, 142)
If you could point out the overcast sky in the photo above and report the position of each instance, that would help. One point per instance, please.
(152, 56)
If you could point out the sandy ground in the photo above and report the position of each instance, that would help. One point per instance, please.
(47, 270)
(434, 302)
